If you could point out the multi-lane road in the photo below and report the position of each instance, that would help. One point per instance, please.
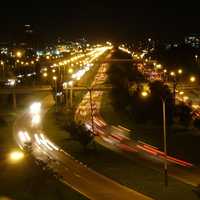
(28, 129)
(114, 138)
(28, 132)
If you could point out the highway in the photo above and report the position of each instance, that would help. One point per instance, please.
(114, 138)
(28, 132)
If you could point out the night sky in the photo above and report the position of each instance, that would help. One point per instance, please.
(101, 20)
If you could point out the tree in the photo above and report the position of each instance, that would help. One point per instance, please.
(150, 109)
(184, 114)
(122, 77)
(197, 123)
(80, 133)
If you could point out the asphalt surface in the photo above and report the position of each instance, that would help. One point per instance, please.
(73, 173)
(114, 138)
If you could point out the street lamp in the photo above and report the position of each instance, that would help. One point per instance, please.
(2, 64)
(70, 83)
(172, 73)
(181, 92)
(12, 83)
(145, 94)
(196, 58)
(45, 74)
(56, 98)
(70, 70)
(180, 71)
(158, 66)
(192, 79)
(19, 54)
(16, 156)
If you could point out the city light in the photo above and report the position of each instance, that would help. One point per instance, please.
(54, 78)
(185, 98)
(70, 83)
(64, 85)
(192, 79)
(16, 156)
(180, 71)
(144, 93)
(70, 70)
(158, 66)
(172, 73)
(45, 74)
(19, 54)
(181, 92)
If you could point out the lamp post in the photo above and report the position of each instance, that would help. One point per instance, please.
(173, 75)
(165, 142)
(91, 110)
(3, 69)
(56, 98)
(70, 83)
(145, 94)
(12, 83)
(196, 58)
(192, 79)
(16, 156)
(65, 84)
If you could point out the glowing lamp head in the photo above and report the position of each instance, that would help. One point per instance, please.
(144, 93)
(192, 79)
(185, 98)
(45, 74)
(70, 83)
(16, 156)
(70, 70)
(180, 71)
(19, 54)
(172, 73)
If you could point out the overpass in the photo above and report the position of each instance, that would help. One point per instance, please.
(112, 60)
(25, 89)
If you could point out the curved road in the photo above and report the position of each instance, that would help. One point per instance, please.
(28, 130)
(115, 138)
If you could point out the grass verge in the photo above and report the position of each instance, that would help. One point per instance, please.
(130, 173)
(182, 143)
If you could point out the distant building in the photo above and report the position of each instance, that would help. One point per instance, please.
(193, 41)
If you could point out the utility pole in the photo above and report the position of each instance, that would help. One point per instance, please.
(71, 96)
(14, 98)
(91, 110)
(165, 143)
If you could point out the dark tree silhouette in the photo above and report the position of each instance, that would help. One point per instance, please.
(184, 114)
(80, 133)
